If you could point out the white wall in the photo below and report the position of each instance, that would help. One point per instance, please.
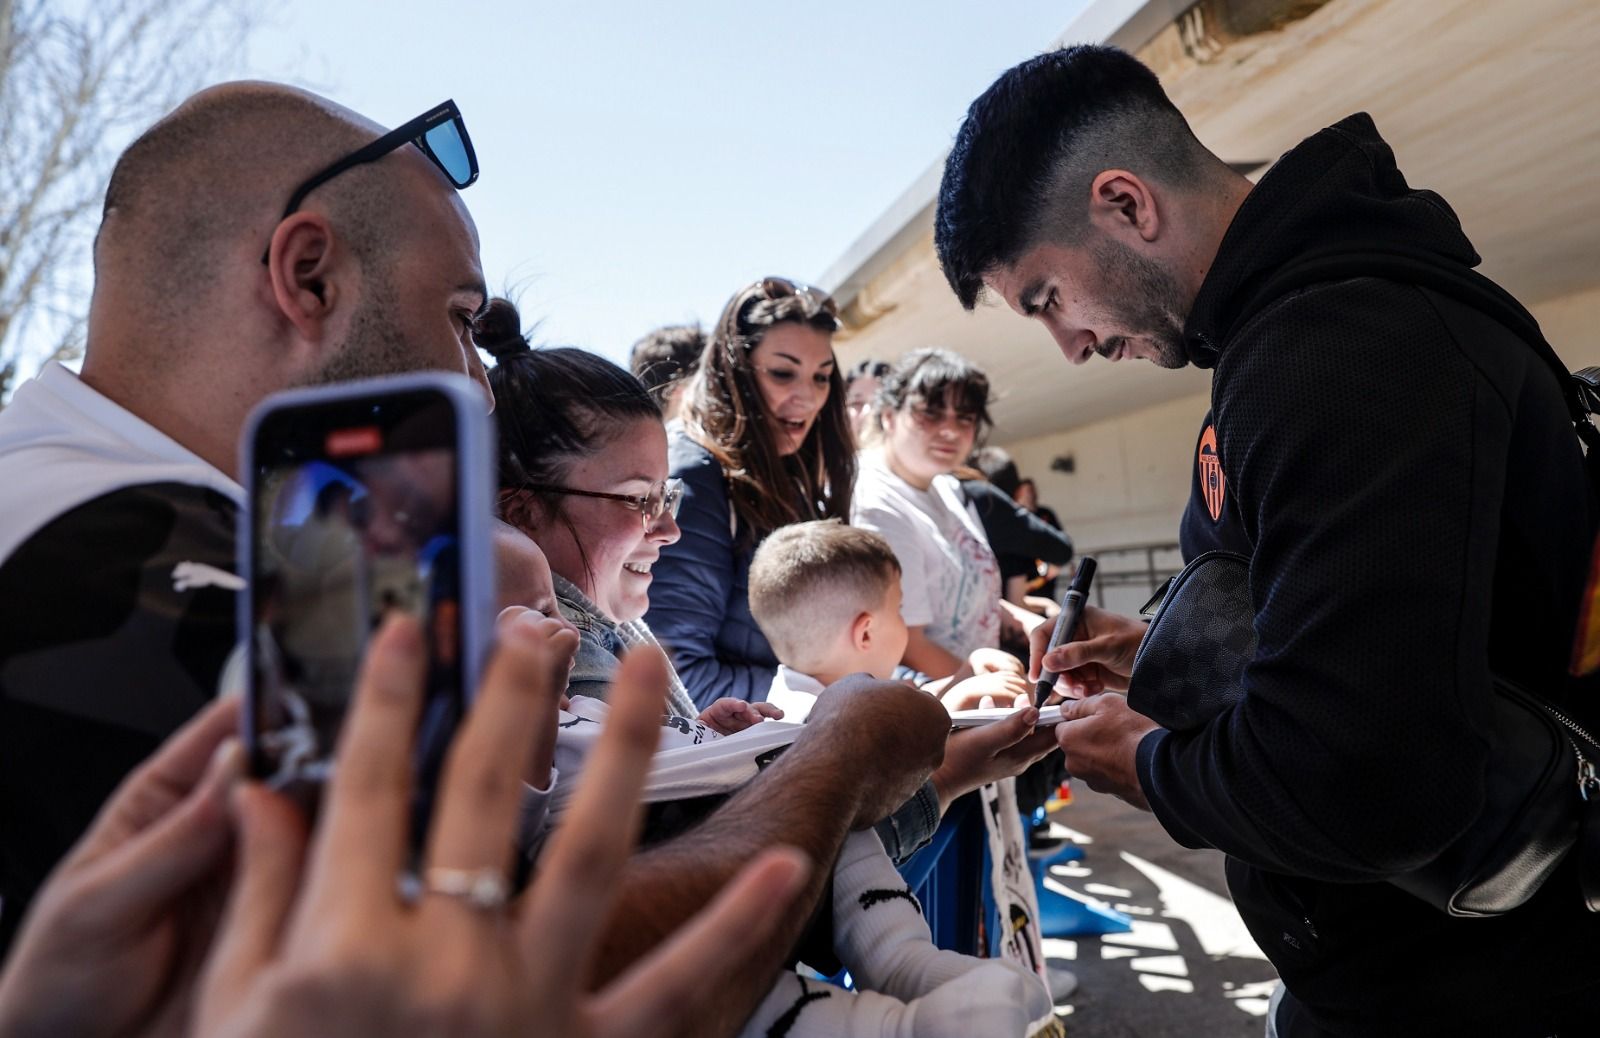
(1129, 487)
(1572, 324)
(1131, 477)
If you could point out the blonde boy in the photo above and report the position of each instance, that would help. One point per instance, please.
(827, 596)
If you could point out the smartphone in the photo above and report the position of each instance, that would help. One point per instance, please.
(365, 498)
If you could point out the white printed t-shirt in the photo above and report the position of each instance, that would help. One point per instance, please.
(949, 576)
(794, 693)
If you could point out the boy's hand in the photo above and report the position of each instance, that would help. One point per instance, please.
(976, 756)
(995, 661)
(726, 716)
(1000, 689)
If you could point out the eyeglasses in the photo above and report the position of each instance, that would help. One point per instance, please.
(787, 376)
(931, 419)
(665, 498)
(439, 133)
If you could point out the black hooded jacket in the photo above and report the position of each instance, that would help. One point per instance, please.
(1402, 472)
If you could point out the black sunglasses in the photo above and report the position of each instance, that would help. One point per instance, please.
(441, 135)
(736, 321)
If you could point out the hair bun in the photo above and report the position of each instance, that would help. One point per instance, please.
(498, 330)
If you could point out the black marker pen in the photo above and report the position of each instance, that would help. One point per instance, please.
(1072, 604)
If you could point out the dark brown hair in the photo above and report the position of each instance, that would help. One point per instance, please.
(726, 415)
(553, 405)
(938, 378)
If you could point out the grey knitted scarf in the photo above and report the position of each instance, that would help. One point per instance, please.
(630, 633)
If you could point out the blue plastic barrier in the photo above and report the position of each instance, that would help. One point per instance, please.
(947, 877)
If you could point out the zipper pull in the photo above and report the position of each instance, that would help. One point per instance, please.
(1588, 780)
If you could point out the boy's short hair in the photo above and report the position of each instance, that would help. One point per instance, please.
(807, 579)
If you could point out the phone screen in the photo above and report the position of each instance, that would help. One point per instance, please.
(355, 514)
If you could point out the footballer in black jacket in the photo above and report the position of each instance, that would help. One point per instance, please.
(1403, 475)
(1402, 472)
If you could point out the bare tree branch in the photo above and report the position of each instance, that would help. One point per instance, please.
(75, 85)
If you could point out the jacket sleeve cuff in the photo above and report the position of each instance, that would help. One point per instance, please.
(909, 829)
(1150, 750)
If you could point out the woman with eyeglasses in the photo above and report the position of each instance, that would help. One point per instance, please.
(583, 472)
(933, 406)
(764, 442)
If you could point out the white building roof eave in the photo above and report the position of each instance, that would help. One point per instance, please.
(1128, 24)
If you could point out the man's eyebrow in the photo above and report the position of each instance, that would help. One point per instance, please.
(1030, 297)
(477, 288)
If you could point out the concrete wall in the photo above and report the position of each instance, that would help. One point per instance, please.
(1128, 487)
(1572, 324)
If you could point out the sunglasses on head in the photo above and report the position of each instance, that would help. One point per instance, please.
(440, 133)
(813, 302)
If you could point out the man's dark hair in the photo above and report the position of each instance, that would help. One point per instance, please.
(998, 468)
(666, 357)
(1031, 144)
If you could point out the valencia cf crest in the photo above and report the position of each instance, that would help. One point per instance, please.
(1212, 484)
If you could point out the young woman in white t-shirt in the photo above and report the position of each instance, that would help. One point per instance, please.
(932, 408)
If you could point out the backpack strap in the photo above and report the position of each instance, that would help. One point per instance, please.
(1412, 266)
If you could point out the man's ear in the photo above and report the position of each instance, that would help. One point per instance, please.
(861, 633)
(1121, 203)
(300, 267)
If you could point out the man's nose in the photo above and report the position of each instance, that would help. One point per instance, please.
(1076, 345)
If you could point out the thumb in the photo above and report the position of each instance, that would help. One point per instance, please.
(985, 702)
(271, 858)
(1017, 726)
(1078, 709)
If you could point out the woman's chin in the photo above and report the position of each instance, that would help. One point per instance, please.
(791, 439)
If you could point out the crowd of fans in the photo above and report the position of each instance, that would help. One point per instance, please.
(741, 535)
(631, 508)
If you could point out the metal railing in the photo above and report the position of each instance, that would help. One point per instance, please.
(1133, 571)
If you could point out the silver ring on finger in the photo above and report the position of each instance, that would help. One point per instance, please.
(484, 889)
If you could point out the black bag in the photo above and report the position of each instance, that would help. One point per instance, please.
(1189, 669)
(1542, 793)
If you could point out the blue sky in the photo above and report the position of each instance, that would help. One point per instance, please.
(640, 162)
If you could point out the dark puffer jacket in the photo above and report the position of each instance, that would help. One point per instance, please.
(700, 597)
(1403, 473)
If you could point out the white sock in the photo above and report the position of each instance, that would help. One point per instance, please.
(998, 999)
(878, 929)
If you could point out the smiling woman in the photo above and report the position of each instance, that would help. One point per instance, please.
(583, 472)
(764, 443)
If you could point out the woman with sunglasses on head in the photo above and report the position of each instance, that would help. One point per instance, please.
(933, 406)
(764, 443)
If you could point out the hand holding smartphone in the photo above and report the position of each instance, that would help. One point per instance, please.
(365, 498)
